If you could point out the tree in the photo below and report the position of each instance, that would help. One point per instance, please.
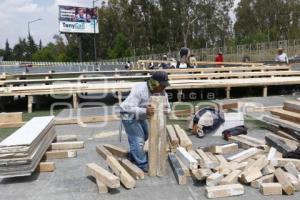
(7, 51)
(31, 47)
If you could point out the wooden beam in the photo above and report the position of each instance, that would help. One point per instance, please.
(87, 119)
(223, 191)
(286, 115)
(244, 155)
(269, 169)
(46, 167)
(177, 170)
(293, 106)
(285, 124)
(268, 189)
(291, 168)
(232, 178)
(66, 138)
(214, 179)
(265, 179)
(126, 179)
(157, 138)
(174, 141)
(253, 172)
(12, 125)
(185, 169)
(67, 145)
(186, 158)
(201, 174)
(61, 154)
(15, 117)
(102, 188)
(205, 160)
(184, 140)
(103, 152)
(102, 175)
(132, 169)
(116, 151)
(280, 145)
(281, 162)
(225, 149)
(287, 186)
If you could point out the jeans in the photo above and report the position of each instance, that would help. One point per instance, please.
(137, 132)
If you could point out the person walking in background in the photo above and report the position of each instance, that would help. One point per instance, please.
(219, 57)
(282, 57)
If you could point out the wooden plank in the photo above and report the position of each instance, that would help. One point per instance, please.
(201, 174)
(232, 178)
(66, 138)
(102, 188)
(224, 167)
(12, 125)
(265, 179)
(195, 156)
(174, 141)
(67, 145)
(126, 179)
(243, 143)
(244, 155)
(223, 191)
(157, 138)
(281, 162)
(61, 154)
(225, 149)
(214, 159)
(279, 132)
(286, 115)
(293, 106)
(205, 160)
(214, 179)
(291, 168)
(280, 145)
(102, 175)
(271, 154)
(132, 169)
(7, 118)
(26, 135)
(103, 152)
(285, 124)
(268, 189)
(86, 119)
(291, 143)
(46, 167)
(177, 170)
(253, 172)
(185, 169)
(287, 186)
(269, 169)
(186, 158)
(294, 181)
(184, 140)
(116, 151)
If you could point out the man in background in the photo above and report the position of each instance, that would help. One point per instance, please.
(282, 57)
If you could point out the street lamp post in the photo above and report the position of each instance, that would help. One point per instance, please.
(95, 43)
(30, 22)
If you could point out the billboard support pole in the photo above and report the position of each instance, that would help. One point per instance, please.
(95, 43)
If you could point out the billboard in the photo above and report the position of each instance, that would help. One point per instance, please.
(78, 20)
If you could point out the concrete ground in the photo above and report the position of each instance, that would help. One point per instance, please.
(69, 182)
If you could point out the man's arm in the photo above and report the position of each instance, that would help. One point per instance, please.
(132, 103)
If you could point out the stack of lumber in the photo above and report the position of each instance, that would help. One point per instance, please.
(227, 169)
(122, 171)
(21, 152)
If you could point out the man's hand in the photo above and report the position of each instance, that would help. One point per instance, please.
(150, 110)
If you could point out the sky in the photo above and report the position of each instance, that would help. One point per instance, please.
(15, 15)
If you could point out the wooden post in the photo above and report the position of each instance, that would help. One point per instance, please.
(228, 92)
(120, 97)
(157, 138)
(75, 101)
(30, 102)
(265, 91)
(179, 95)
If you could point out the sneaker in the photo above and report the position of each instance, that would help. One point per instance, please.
(200, 134)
